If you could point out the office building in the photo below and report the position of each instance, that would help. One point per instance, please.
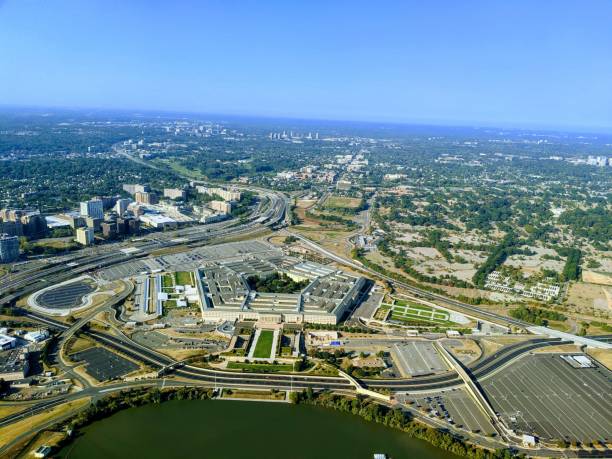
(11, 228)
(135, 188)
(121, 206)
(9, 248)
(226, 195)
(93, 223)
(93, 208)
(108, 202)
(85, 236)
(22, 222)
(109, 230)
(133, 226)
(145, 197)
(221, 206)
(174, 193)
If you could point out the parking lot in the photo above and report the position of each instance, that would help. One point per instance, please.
(66, 296)
(123, 270)
(103, 364)
(417, 358)
(544, 395)
(455, 407)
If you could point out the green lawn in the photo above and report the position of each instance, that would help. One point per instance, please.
(167, 281)
(419, 319)
(263, 347)
(170, 304)
(260, 367)
(412, 305)
(183, 278)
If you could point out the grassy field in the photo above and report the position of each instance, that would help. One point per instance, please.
(167, 281)
(170, 304)
(410, 312)
(263, 347)
(342, 202)
(260, 367)
(183, 278)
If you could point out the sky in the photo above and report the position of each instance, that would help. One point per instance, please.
(523, 63)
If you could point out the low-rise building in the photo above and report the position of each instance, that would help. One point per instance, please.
(14, 364)
(36, 336)
(174, 193)
(7, 342)
(158, 221)
(221, 206)
(226, 195)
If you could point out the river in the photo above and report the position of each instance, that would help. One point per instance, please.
(242, 430)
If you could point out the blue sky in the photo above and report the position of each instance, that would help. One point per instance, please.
(544, 63)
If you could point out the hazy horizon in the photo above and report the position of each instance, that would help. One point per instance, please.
(524, 65)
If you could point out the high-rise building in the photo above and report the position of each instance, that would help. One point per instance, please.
(9, 248)
(107, 201)
(11, 228)
(133, 226)
(121, 206)
(135, 188)
(27, 222)
(145, 197)
(93, 223)
(93, 208)
(109, 230)
(85, 236)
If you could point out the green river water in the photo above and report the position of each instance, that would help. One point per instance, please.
(245, 430)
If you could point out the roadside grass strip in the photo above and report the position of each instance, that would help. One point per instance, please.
(260, 367)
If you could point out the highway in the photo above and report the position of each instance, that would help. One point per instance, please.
(157, 361)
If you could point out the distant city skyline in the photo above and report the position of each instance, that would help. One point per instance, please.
(522, 65)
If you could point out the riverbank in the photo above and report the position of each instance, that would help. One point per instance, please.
(370, 413)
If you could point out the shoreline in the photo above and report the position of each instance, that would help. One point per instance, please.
(365, 409)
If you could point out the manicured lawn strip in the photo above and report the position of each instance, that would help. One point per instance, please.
(170, 304)
(183, 278)
(416, 318)
(167, 281)
(263, 347)
(410, 304)
(260, 367)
